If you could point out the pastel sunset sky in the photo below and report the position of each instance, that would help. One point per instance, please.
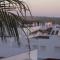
(50, 8)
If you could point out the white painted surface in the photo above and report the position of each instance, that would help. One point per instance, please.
(23, 56)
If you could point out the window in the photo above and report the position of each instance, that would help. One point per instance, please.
(57, 32)
(42, 37)
(53, 32)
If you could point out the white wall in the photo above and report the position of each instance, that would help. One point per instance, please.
(24, 56)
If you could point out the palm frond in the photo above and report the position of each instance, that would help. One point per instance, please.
(10, 21)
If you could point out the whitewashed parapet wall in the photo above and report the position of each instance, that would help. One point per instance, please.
(23, 56)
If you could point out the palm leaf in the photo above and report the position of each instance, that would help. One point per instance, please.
(10, 21)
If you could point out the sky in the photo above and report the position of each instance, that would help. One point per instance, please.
(50, 8)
